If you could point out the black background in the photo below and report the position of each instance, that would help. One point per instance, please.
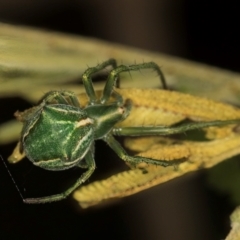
(185, 208)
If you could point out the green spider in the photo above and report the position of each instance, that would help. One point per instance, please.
(58, 134)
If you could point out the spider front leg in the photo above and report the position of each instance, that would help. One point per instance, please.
(113, 76)
(57, 197)
(114, 144)
(87, 78)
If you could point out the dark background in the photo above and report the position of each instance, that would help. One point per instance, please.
(185, 208)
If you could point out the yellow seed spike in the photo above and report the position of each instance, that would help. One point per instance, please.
(200, 155)
(168, 107)
(16, 155)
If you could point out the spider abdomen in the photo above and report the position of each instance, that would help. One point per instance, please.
(59, 138)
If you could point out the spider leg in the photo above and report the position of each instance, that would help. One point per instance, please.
(87, 78)
(115, 145)
(113, 76)
(72, 97)
(60, 97)
(57, 197)
(162, 130)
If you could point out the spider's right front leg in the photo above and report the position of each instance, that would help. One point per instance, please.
(87, 78)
